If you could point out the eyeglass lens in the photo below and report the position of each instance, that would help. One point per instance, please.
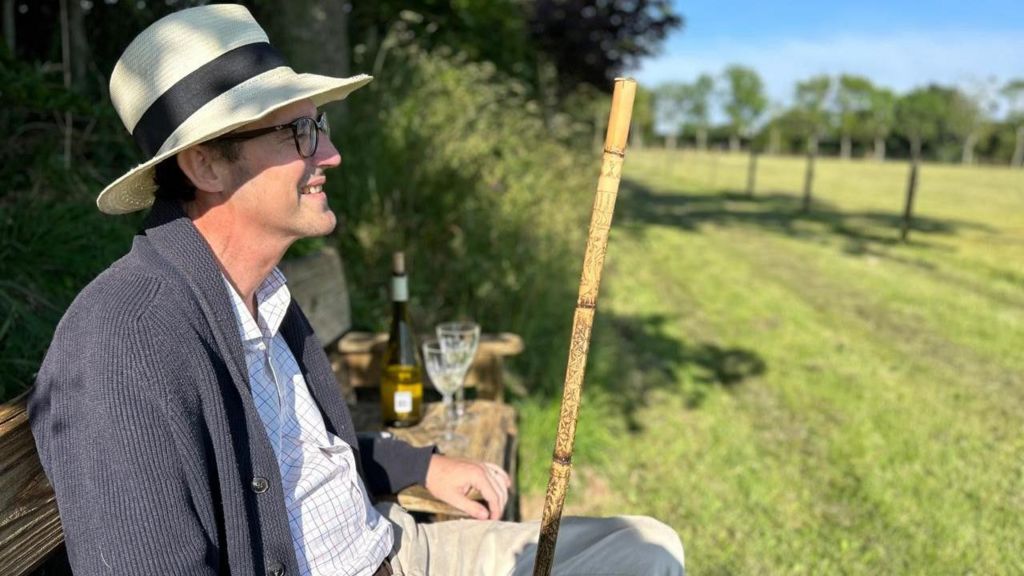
(307, 132)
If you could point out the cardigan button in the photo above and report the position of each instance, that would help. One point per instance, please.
(260, 485)
(275, 569)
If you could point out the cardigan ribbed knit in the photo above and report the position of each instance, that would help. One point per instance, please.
(147, 430)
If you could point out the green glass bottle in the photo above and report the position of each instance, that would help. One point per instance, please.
(401, 383)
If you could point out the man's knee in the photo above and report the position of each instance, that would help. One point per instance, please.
(663, 548)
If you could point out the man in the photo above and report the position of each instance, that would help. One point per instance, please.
(186, 414)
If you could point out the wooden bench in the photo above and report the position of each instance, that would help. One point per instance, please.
(30, 532)
(29, 524)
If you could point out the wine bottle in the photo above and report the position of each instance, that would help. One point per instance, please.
(401, 383)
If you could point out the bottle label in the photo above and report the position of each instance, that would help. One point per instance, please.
(403, 402)
(400, 288)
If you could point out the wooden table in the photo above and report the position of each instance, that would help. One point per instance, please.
(492, 435)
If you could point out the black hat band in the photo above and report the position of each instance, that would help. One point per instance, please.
(198, 88)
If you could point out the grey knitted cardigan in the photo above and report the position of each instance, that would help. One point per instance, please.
(147, 430)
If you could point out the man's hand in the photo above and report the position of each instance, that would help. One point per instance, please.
(451, 480)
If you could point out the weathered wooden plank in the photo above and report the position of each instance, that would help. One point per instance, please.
(29, 523)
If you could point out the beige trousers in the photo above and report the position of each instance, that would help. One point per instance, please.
(623, 545)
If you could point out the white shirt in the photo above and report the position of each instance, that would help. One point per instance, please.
(335, 529)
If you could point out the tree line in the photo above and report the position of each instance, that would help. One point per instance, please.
(848, 114)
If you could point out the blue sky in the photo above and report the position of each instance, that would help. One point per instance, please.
(900, 44)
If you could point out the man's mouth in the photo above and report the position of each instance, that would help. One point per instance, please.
(312, 189)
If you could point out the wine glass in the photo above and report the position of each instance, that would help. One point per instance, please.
(445, 372)
(461, 339)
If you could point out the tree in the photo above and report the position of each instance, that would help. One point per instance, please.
(681, 106)
(1013, 92)
(880, 118)
(699, 107)
(744, 101)
(774, 128)
(481, 30)
(853, 101)
(811, 97)
(670, 109)
(966, 117)
(593, 41)
(642, 123)
(920, 115)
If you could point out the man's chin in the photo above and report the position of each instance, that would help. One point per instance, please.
(328, 225)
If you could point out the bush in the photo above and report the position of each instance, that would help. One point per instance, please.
(53, 240)
(455, 165)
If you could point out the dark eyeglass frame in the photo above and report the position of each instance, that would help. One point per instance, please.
(320, 124)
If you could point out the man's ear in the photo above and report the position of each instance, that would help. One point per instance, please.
(205, 168)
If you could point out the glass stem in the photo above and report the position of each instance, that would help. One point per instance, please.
(450, 415)
(460, 401)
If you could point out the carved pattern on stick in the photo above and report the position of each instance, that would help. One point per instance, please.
(583, 320)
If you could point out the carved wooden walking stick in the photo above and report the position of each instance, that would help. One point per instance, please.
(583, 321)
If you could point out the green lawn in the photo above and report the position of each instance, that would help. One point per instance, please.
(803, 394)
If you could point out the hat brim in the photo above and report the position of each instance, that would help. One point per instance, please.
(243, 104)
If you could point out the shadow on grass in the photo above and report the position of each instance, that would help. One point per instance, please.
(862, 232)
(637, 356)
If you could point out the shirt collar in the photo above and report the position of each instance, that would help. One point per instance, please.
(272, 301)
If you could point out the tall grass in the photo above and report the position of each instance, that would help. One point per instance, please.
(52, 238)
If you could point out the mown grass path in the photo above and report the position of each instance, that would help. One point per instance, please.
(801, 393)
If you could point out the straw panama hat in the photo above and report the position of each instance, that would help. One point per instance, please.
(195, 75)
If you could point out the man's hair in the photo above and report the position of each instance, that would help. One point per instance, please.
(173, 184)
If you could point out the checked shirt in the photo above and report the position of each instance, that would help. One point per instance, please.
(335, 529)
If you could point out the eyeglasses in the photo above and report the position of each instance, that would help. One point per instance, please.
(306, 132)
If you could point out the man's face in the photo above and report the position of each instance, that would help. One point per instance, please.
(279, 192)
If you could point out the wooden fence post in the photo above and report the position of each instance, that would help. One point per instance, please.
(752, 171)
(908, 210)
(714, 168)
(812, 154)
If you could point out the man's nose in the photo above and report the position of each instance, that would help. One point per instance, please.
(327, 156)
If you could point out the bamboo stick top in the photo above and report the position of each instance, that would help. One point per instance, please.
(618, 119)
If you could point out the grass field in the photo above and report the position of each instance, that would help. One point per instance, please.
(803, 394)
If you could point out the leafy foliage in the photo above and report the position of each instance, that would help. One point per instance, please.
(882, 111)
(811, 101)
(853, 102)
(671, 105)
(1013, 92)
(922, 113)
(744, 98)
(489, 206)
(52, 238)
(681, 107)
(593, 41)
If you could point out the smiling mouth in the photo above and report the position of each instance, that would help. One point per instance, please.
(312, 189)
